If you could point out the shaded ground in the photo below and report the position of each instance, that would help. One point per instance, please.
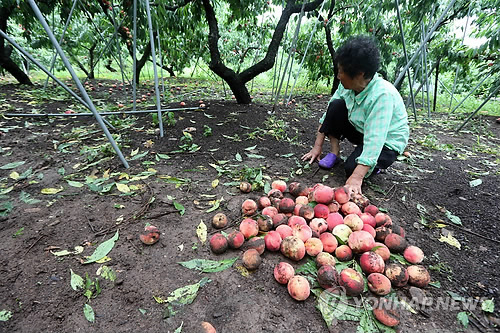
(35, 284)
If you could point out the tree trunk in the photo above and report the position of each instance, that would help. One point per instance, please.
(91, 74)
(141, 62)
(5, 51)
(237, 81)
(331, 50)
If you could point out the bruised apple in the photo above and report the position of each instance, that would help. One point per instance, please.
(328, 277)
(333, 220)
(342, 195)
(413, 254)
(323, 194)
(329, 241)
(283, 272)
(352, 281)
(418, 276)
(150, 235)
(325, 258)
(386, 312)
(218, 243)
(235, 239)
(343, 253)
(249, 228)
(371, 262)
(314, 246)
(256, 243)
(251, 259)
(293, 247)
(284, 231)
(299, 288)
(272, 240)
(219, 220)
(279, 185)
(248, 207)
(361, 241)
(397, 274)
(379, 284)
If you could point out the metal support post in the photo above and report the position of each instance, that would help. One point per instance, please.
(86, 97)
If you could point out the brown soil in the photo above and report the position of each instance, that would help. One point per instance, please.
(35, 284)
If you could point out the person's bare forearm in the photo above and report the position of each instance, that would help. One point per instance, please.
(355, 181)
(320, 138)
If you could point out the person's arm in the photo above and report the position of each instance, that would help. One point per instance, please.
(315, 152)
(355, 181)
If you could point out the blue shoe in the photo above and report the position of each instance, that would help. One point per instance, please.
(328, 161)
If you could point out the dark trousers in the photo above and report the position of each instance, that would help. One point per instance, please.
(337, 125)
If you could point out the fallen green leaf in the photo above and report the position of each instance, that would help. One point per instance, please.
(76, 281)
(74, 183)
(475, 182)
(12, 165)
(26, 198)
(184, 296)
(453, 218)
(463, 318)
(208, 266)
(103, 249)
(308, 268)
(107, 273)
(488, 305)
(89, 313)
(5, 315)
(179, 329)
(180, 208)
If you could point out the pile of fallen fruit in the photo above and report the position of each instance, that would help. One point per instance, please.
(331, 226)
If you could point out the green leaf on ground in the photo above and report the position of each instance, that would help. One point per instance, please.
(6, 190)
(183, 296)
(215, 205)
(138, 156)
(475, 182)
(74, 183)
(5, 315)
(89, 313)
(488, 305)
(463, 318)
(12, 165)
(399, 258)
(107, 273)
(335, 307)
(208, 266)
(103, 249)
(26, 198)
(180, 208)
(5, 208)
(179, 329)
(18, 233)
(308, 268)
(255, 156)
(453, 218)
(237, 157)
(76, 281)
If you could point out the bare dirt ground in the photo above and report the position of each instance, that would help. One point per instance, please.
(58, 190)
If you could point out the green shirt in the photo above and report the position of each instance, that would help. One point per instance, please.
(378, 112)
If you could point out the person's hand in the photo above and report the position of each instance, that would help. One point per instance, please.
(313, 155)
(353, 184)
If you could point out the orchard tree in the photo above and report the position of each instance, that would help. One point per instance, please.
(20, 13)
(237, 81)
